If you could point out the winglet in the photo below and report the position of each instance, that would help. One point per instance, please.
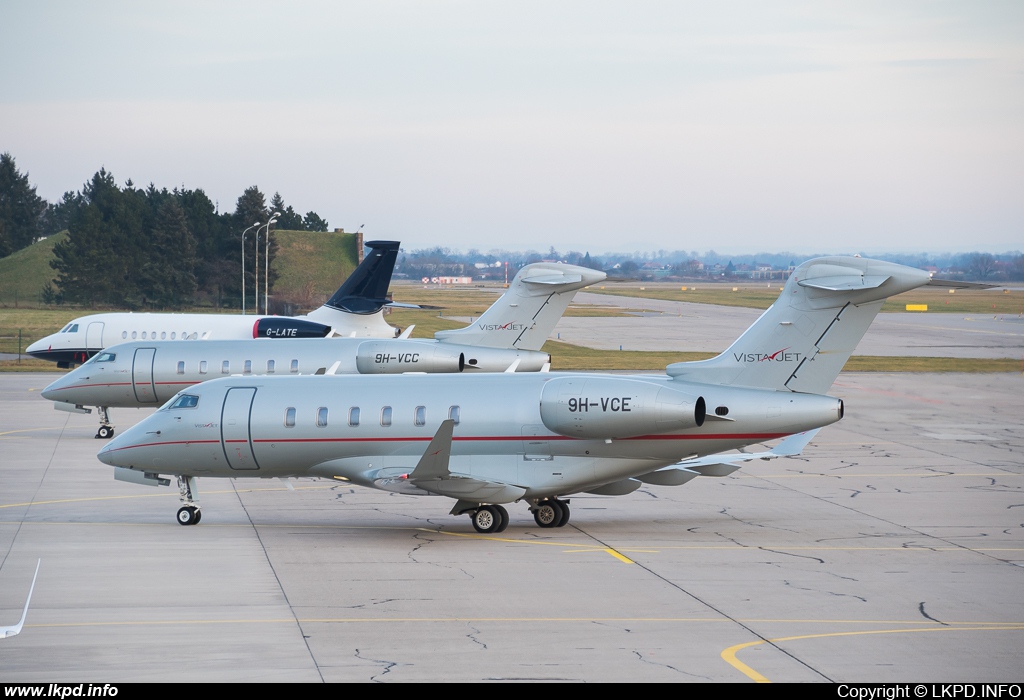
(16, 629)
(407, 332)
(434, 462)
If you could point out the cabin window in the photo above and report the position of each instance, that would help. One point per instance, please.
(202, 367)
(185, 401)
(124, 334)
(134, 335)
(353, 416)
(295, 366)
(225, 367)
(153, 335)
(321, 417)
(289, 418)
(270, 366)
(163, 335)
(453, 413)
(143, 335)
(181, 367)
(420, 416)
(173, 335)
(247, 367)
(385, 416)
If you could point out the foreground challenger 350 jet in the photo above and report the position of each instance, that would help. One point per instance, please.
(508, 336)
(486, 440)
(356, 309)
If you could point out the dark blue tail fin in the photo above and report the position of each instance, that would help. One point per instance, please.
(365, 291)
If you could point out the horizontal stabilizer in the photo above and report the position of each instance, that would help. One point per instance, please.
(958, 284)
(844, 283)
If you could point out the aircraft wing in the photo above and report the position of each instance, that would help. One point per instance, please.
(725, 464)
(16, 629)
(432, 474)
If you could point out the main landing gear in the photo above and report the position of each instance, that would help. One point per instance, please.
(106, 430)
(489, 519)
(551, 512)
(189, 513)
(492, 519)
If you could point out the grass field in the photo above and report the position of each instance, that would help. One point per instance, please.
(961, 301)
(23, 274)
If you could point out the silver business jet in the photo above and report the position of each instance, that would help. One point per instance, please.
(509, 335)
(488, 440)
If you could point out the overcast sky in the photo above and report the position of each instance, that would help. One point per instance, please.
(600, 126)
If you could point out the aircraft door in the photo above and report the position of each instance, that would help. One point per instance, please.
(94, 336)
(142, 375)
(235, 436)
(536, 448)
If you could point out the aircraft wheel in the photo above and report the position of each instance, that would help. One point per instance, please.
(565, 514)
(105, 432)
(188, 515)
(504, 518)
(199, 516)
(548, 513)
(486, 519)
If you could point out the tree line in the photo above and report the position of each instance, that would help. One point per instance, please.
(143, 248)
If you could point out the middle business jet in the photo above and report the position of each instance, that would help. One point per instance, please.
(507, 337)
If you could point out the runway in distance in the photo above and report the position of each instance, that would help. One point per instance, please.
(490, 439)
(356, 309)
(507, 337)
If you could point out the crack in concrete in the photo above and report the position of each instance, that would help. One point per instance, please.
(647, 661)
(920, 609)
(387, 666)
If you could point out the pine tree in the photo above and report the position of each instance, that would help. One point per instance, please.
(21, 210)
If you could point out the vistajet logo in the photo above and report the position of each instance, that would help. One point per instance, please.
(777, 356)
(498, 327)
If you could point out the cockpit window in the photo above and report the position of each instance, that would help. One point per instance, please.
(185, 401)
(70, 328)
(106, 357)
(65, 328)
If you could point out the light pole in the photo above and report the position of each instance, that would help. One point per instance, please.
(243, 262)
(266, 264)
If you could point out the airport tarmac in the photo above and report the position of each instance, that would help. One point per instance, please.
(688, 327)
(891, 550)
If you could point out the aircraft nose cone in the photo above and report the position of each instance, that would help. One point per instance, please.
(113, 453)
(40, 347)
(53, 390)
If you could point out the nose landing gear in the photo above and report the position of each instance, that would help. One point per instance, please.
(106, 430)
(189, 513)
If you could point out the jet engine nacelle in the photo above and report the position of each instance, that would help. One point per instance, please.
(610, 407)
(398, 356)
(282, 327)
